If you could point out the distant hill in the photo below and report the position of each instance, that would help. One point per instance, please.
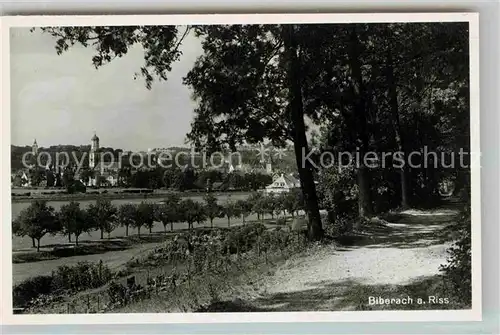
(283, 161)
(75, 153)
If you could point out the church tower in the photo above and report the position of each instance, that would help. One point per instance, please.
(94, 149)
(34, 148)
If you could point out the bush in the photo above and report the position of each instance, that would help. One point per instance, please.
(211, 243)
(117, 293)
(337, 192)
(457, 272)
(131, 191)
(281, 221)
(26, 194)
(29, 289)
(243, 238)
(338, 226)
(83, 275)
(76, 187)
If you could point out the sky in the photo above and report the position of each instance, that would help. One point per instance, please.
(64, 99)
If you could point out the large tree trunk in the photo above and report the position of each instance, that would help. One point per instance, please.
(102, 234)
(76, 239)
(301, 148)
(33, 242)
(394, 106)
(37, 245)
(363, 174)
(69, 237)
(126, 230)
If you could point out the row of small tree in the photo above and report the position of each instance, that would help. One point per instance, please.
(40, 219)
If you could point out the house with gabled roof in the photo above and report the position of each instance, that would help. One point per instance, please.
(283, 183)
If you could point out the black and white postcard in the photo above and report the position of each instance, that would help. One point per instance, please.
(240, 168)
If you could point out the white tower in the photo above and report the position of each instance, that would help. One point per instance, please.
(94, 149)
(34, 148)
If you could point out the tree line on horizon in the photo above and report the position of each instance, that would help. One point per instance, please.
(159, 178)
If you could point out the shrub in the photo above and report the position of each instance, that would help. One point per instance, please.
(457, 271)
(211, 243)
(281, 221)
(117, 293)
(338, 226)
(76, 187)
(337, 190)
(26, 194)
(29, 289)
(243, 238)
(131, 191)
(83, 275)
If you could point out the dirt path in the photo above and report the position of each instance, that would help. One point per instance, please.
(396, 259)
(114, 260)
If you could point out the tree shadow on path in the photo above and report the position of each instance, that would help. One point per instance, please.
(347, 295)
(404, 231)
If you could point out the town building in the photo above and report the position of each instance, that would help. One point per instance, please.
(34, 148)
(94, 151)
(283, 183)
(101, 172)
(22, 178)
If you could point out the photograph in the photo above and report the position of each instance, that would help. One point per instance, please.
(242, 165)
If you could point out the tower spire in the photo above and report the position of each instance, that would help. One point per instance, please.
(34, 148)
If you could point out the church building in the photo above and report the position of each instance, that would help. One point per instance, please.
(102, 174)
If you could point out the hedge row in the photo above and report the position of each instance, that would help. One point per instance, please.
(82, 276)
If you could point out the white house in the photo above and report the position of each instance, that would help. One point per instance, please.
(283, 183)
